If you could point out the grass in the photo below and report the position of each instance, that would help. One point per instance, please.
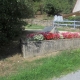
(49, 67)
(34, 26)
(68, 29)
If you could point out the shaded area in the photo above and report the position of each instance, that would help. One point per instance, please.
(11, 15)
(14, 47)
(10, 50)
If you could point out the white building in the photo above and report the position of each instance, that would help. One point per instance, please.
(77, 6)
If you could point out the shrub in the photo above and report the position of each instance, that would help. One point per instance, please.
(77, 18)
(11, 13)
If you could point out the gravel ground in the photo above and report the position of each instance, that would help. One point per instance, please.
(71, 76)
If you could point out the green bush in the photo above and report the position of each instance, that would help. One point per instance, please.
(58, 6)
(77, 18)
(11, 13)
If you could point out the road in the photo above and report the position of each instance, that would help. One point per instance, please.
(71, 76)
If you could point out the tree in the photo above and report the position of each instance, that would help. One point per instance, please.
(11, 13)
(58, 6)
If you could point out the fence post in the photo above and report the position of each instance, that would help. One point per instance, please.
(74, 24)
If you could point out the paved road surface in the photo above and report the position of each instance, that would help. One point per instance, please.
(71, 76)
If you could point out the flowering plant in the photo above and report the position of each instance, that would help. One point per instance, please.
(69, 35)
(61, 36)
(38, 37)
(56, 36)
(76, 35)
(48, 36)
(30, 36)
(51, 36)
(35, 37)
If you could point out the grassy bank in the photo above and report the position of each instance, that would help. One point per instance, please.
(34, 26)
(49, 67)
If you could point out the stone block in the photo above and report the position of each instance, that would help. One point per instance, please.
(37, 48)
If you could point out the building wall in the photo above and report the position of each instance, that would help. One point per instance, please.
(77, 6)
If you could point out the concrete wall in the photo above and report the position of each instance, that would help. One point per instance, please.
(33, 48)
(39, 22)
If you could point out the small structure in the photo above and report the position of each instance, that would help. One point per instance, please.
(77, 6)
(33, 48)
(51, 29)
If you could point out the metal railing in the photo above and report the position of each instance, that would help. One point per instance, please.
(67, 23)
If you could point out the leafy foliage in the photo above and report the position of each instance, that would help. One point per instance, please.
(11, 13)
(77, 18)
(58, 6)
(25, 8)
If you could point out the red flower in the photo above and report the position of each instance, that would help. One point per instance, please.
(49, 36)
(76, 35)
(56, 36)
(67, 35)
(30, 35)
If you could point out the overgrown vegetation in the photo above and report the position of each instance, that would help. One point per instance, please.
(49, 67)
(11, 13)
(76, 18)
(52, 7)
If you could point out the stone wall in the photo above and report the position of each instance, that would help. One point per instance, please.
(39, 22)
(33, 48)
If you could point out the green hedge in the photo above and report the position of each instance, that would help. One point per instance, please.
(77, 18)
